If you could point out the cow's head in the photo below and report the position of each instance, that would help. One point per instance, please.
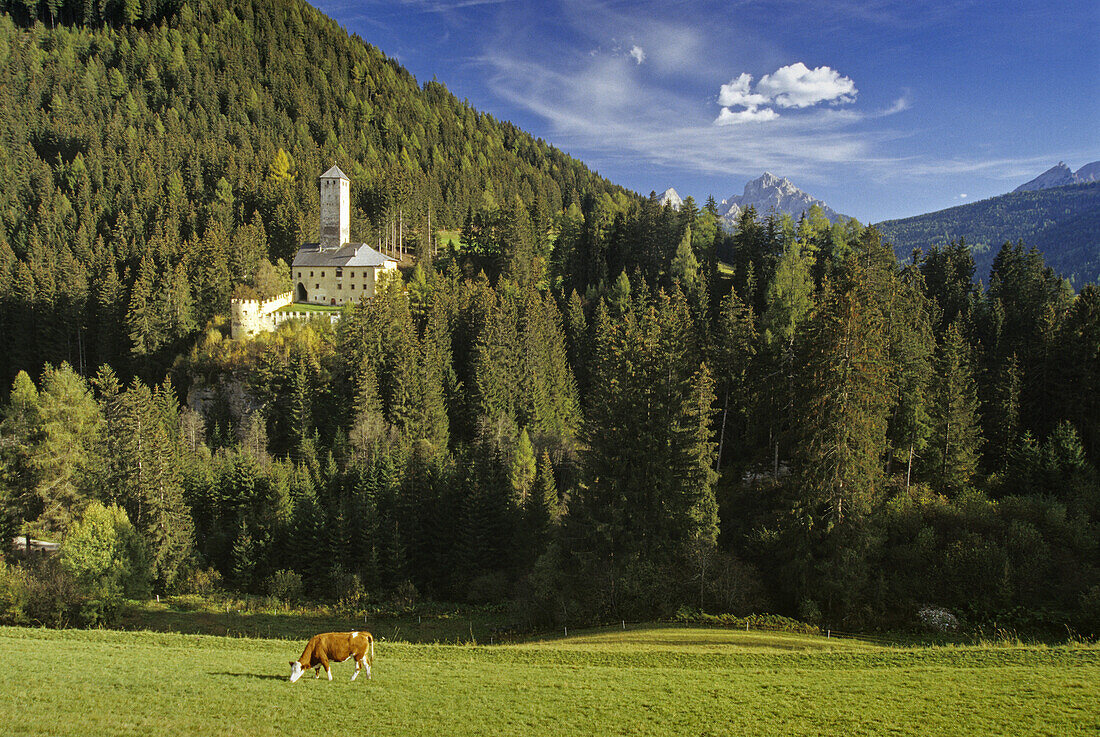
(295, 670)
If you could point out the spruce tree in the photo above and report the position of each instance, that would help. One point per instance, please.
(955, 439)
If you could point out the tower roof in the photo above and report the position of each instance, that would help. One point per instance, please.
(334, 173)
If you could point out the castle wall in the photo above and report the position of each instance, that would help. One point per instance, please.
(251, 316)
(325, 285)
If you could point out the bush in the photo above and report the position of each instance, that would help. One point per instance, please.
(54, 598)
(202, 581)
(13, 594)
(734, 586)
(285, 585)
(345, 587)
(1090, 611)
(487, 588)
(106, 555)
(773, 622)
(809, 611)
(938, 620)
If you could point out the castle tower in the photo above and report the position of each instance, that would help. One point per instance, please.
(335, 209)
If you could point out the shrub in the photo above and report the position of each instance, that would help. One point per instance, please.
(485, 589)
(13, 594)
(773, 622)
(106, 555)
(809, 611)
(285, 585)
(1090, 611)
(55, 598)
(345, 587)
(202, 581)
(934, 619)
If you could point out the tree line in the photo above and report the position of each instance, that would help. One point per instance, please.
(814, 429)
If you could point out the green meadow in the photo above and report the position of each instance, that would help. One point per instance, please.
(647, 681)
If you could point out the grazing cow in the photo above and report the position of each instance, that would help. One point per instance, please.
(338, 647)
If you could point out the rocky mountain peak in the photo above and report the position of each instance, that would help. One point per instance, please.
(771, 192)
(671, 197)
(1061, 175)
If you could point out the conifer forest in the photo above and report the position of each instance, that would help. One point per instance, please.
(583, 404)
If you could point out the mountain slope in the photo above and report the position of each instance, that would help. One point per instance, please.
(1062, 222)
(768, 192)
(183, 145)
(1061, 175)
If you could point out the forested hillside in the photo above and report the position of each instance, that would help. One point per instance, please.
(179, 144)
(1063, 223)
(593, 407)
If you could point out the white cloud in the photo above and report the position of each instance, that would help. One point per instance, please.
(736, 93)
(799, 86)
(637, 53)
(750, 115)
(793, 86)
(963, 196)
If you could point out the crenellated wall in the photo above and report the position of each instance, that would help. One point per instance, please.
(251, 316)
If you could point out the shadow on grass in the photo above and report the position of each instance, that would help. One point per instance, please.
(258, 676)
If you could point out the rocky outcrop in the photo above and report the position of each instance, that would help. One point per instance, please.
(1061, 176)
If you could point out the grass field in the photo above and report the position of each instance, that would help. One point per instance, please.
(654, 681)
(443, 237)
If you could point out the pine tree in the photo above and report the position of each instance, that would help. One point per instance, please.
(955, 435)
(909, 322)
(733, 350)
(842, 392)
(685, 267)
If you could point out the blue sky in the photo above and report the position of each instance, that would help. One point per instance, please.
(883, 109)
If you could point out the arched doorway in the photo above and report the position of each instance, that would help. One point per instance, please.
(334, 300)
(302, 295)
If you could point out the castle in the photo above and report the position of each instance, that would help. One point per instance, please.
(326, 275)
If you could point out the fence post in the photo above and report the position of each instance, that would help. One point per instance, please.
(624, 624)
(567, 630)
(746, 625)
(828, 634)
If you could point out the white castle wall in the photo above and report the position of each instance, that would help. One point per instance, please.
(251, 316)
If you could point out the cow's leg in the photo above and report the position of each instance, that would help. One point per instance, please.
(328, 669)
(355, 675)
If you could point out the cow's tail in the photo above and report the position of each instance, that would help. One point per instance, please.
(370, 657)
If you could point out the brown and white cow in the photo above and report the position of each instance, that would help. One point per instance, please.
(335, 647)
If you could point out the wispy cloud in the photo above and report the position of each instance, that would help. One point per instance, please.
(605, 107)
(637, 53)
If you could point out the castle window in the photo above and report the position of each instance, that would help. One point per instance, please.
(311, 273)
(339, 273)
(299, 275)
(339, 286)
(353, 286)
(351, 274)
(322, 275)
(316, 286)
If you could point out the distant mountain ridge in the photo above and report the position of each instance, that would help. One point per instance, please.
(766, 192)
(1061, 175)
(1062, 222)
